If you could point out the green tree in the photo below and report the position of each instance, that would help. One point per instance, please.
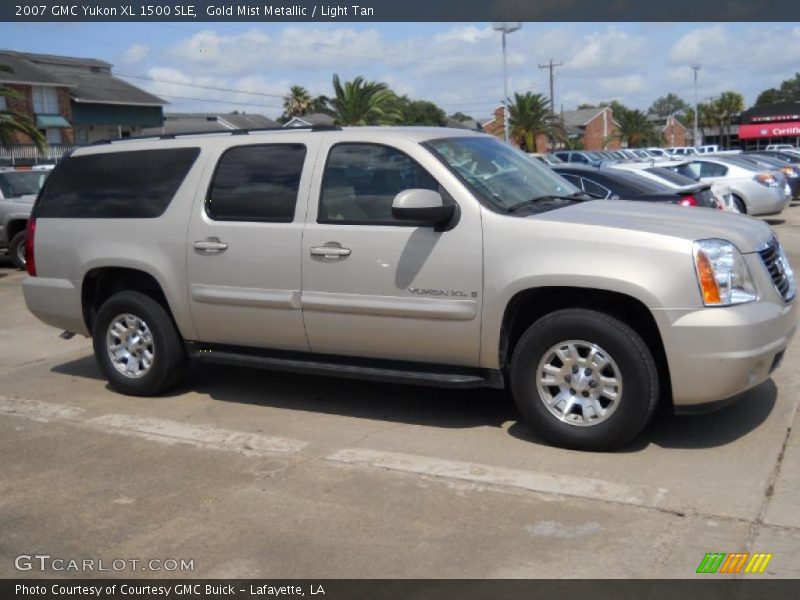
(461, 117)
(528, 116)
(729, 104)
(415, 112)
(297, 102)
(360, 102)
(13, 122)
(635, 128)
(668, 105)
(789, 91)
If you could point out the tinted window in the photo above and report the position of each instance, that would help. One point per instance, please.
(573, 179)
(631, 184)
(125, 185)
(257, 183)
(712, 169)
(361, 181)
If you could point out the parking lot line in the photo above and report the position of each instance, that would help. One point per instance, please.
(37, 410)
(564, 485)
(202, 436)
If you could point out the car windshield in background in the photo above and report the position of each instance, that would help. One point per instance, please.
(499, 173)
(21, 183)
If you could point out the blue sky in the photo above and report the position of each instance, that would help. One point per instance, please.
(457, 65)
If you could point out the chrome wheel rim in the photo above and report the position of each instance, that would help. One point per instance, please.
(130, 345)
(21, 253)
(579, 383)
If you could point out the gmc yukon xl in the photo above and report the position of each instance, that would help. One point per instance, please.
(431, 256)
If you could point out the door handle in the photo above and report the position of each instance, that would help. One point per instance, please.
(332, 250)
(210, 245)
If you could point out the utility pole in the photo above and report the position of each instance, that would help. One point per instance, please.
(551, 66)
(505, 28)
(695, 68)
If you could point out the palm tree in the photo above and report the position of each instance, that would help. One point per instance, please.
(360, 102)
(13, 122)
(710, 114)
(730, 104)
(528, 116)
(634, 127)
(297, 102)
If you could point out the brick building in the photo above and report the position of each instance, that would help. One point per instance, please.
(75, 100)
(595, 128)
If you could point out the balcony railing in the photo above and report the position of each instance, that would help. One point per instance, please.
(28, 154)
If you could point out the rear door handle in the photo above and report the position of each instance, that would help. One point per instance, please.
(330, 251)
(210, 245)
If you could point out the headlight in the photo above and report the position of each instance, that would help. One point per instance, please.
(722, 274)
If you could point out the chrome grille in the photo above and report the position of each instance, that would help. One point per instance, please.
(779, 271)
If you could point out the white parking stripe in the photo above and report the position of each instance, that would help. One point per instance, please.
(564, 485)
(203, 436)
(37, 410)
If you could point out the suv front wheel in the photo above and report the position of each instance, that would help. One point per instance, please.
(137, 346)
(583, 379)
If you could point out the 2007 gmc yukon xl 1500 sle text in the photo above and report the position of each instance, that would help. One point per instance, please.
(419, 255)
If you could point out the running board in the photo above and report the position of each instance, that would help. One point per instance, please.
(443, 376)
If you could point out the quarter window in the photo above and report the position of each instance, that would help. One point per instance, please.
(590, 187)
(136, 184)
(257, 183)
(361, 181)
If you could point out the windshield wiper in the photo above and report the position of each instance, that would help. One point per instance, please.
(549, 197)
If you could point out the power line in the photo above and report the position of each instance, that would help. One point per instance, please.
(219, 101)
(195, 85)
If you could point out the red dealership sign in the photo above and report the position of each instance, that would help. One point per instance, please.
(769, 130)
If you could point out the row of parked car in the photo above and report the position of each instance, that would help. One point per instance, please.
(753, 183)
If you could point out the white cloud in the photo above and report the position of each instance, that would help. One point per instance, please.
(135, 53)
(469, 34)
(619, 86)
(607, 49)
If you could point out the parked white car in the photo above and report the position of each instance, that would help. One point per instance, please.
(755, 191)
(682, 151)
(780, 147)
(708, 149)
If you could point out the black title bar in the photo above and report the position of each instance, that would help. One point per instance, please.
(391, 10)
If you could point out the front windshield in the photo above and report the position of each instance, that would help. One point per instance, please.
(21, 183)
(501, 174)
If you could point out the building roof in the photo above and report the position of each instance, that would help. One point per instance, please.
(310, 119)
(88, 79)
(467, 124)
(581, 117)
(208, 122)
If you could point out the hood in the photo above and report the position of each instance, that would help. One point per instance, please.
(681, 222)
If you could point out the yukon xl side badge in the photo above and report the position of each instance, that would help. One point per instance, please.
(443, 293)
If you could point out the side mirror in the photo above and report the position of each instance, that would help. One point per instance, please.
(425, 206)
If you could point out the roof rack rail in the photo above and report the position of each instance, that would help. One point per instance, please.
(172, 136)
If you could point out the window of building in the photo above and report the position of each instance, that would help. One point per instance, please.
(45, 100)
(257, 183)
(361, 181)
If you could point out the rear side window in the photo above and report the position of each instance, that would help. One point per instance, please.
(257, 183)
(138, 184)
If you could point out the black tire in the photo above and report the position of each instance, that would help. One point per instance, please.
(740, 205)
(637, 369)
(169, 356)
(16, 250)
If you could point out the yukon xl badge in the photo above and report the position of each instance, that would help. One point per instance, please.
(443, 293)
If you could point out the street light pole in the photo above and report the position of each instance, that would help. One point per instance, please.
(505, 28)
(696, 68)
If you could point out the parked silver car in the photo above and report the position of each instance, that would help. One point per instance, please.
(754, 190)
(18, 190)
(419, 255)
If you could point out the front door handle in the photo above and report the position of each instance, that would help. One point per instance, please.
(330, 250)
(210, 245)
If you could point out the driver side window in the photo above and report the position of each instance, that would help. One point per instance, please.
(361, 180)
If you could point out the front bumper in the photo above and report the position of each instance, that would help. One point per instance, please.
(716, 353)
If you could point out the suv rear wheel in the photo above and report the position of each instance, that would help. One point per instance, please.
(16, 250)
(583, 379)
(137, 346)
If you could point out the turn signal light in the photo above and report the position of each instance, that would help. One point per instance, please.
(708, 282)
